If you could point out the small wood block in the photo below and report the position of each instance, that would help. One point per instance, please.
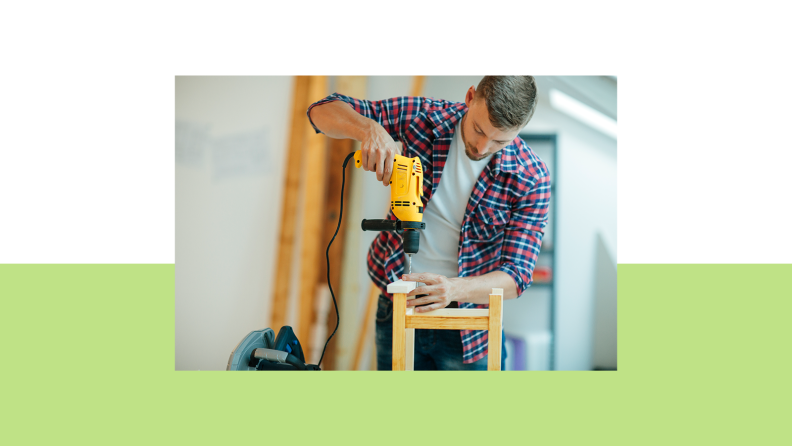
(498, 291)
(494, 335)
(400, 286)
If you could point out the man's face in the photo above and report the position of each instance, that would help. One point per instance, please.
(480, 137)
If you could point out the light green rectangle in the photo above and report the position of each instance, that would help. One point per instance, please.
(88, 357)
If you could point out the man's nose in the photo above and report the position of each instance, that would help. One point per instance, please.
(481, 148)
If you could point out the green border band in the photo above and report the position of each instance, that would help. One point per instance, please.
(704, 358)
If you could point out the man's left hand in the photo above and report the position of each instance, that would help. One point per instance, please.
(440, 291)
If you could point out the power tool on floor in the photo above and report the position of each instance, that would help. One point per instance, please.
(406, 185)
(260, 349)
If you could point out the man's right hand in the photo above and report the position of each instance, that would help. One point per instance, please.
(338, 120)
(377, 153)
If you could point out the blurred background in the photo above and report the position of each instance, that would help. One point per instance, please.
(257, 202)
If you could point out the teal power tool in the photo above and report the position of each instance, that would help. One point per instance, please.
(261, 350)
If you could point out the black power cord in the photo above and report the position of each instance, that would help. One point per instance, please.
(327, 253)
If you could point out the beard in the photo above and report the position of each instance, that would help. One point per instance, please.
(473, 155)
(470, 151)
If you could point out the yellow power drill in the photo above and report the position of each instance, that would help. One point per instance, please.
(406, 185)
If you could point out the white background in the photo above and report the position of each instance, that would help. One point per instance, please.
(87, 166)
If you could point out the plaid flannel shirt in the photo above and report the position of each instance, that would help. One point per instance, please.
(505, 216)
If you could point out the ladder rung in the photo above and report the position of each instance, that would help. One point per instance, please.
(447, 322)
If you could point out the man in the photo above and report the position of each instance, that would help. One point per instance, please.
(484, 220)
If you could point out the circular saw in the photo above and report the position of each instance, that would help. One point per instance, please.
(261, 350)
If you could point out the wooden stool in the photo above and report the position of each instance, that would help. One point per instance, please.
(405, 323)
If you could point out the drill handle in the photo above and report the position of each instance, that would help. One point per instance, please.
(391, 225)
(381, 225)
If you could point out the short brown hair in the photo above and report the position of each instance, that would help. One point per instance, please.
(511, 100)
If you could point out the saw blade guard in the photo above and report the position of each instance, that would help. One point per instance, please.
(240, 357)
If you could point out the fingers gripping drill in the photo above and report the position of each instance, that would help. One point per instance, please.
(406, 185)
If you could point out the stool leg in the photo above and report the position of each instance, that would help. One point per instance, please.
(409, 363)
(399, 333)
(494, 335)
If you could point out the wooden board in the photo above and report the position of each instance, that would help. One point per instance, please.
(417, 86)
(369, 314)
(286, 242)
(338, 150)
(344, 261)
(314, 161)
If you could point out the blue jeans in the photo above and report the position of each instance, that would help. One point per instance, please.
(434, 349)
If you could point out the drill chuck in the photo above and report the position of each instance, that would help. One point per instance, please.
(411, 241)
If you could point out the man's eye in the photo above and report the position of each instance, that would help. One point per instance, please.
(479, 132)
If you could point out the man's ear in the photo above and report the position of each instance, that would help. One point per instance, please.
(471, 93)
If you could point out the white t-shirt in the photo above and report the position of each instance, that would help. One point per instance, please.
(438, 252)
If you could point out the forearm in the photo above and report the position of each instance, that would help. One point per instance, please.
(477, 289)
(338, 120)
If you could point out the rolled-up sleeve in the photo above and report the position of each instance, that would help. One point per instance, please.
(523, 235)
(394, 114)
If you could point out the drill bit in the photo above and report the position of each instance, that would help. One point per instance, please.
(409, 262)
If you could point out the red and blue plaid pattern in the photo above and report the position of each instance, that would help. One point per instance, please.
(505, 217)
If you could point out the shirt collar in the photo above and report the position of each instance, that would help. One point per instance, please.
(446, 119)
(506, 159)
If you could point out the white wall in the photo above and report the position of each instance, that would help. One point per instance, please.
(231, 140)
(586, 198)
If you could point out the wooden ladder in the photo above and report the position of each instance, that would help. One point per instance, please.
(405, 322)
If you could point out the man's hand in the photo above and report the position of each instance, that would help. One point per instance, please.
(440, 291)
(377, 150)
